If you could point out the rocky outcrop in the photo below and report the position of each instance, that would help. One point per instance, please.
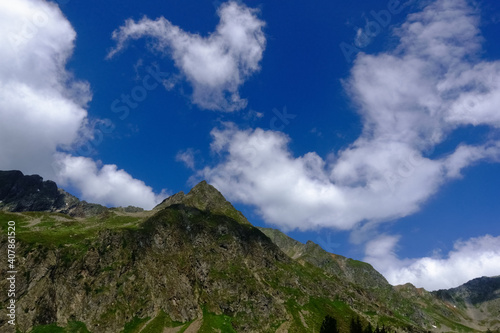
(475, 304)
(23, 193)
(182, 261)
(19, 193)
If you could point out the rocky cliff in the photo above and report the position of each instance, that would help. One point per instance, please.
(23, 193)
(20, 193)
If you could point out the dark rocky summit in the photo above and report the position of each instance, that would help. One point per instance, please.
(22, 193)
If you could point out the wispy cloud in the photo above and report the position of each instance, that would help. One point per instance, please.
(410, 99)
(217, 65)
(43, 108)
(187, 157)
(469, 259)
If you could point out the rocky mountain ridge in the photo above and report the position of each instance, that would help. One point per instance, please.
(20, 193)
(195, 264)
(479, 298)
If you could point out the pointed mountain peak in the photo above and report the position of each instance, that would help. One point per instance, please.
(205, 197)
(202, 184)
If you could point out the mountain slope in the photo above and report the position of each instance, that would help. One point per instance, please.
(479, 298)
(357, 272)
(415, 304)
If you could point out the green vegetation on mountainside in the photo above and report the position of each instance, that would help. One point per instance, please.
(196, 262)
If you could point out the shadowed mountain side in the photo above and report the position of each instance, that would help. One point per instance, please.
(29, 193)
(474, 292)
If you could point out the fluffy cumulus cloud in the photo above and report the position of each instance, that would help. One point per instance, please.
(259, 170)
(43, 108)
(215, 66)
(410, 99)
(469, 259)
(105, 184)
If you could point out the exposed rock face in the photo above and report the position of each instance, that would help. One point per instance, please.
(407, 299)
(182, 259)
(20, 193)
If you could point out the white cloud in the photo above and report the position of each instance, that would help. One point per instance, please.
(215, 66)
(259, 170)
(410, 99)
(105, 184)
(187, 157)
(292, 192)
(469, 259)
(43, 108)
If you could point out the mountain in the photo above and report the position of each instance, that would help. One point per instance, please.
(478, 298)
(195, 264)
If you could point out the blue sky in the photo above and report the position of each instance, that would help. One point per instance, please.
(369, 128)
